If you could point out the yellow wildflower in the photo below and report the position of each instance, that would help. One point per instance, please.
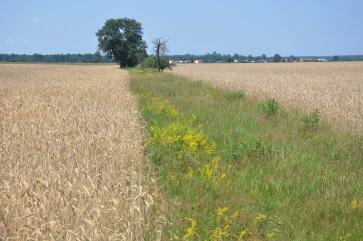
(191, 141)
(220, 233)
(208, 171)
(221, 211)
(167, 135)
(190, 172)
(258, 219)
(215, 162)
(191, 230)
(171, 176)
(161, 106)
(354, 204)
(235, 214)
(210, 148)
(242, 234)
(223, 176)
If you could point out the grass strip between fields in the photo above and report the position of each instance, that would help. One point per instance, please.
(235, 169)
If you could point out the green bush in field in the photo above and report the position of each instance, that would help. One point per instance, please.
(311, 120)
(151, 63)
(249, 150)
(235, 95)
(269, 107)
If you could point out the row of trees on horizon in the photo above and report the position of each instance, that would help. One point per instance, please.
(56, 58)
(206, 58)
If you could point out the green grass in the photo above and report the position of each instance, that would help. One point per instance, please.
(288, 177)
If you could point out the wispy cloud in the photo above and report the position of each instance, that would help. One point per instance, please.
(26, 42)
(35, 20)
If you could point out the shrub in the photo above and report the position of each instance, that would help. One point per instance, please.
(235, 95)
(151, 63)
(311, 120)
(269, 107)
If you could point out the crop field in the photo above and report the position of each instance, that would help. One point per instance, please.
(205, 164)
(71, 151)
(334, 89)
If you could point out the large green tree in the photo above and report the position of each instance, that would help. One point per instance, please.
(122, 39)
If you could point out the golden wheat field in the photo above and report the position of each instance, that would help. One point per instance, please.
(72, 164)
(335, 89)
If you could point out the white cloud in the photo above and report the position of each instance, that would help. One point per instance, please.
(26, 42)
(35, 20)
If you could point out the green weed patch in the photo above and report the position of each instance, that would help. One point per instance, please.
(230, 173)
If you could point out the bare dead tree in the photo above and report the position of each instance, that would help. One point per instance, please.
(160, 48)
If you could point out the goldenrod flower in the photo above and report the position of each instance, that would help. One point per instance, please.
(190, 172)
(191, 230)
(222, 211)
(242, 234)
(354, 204)
(220, 233)
(258, 219)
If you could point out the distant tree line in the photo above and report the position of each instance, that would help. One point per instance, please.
(347, 58)
(56, 58)
(206, 58)
(228, 58)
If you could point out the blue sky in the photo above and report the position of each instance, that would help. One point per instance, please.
(306, 27)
